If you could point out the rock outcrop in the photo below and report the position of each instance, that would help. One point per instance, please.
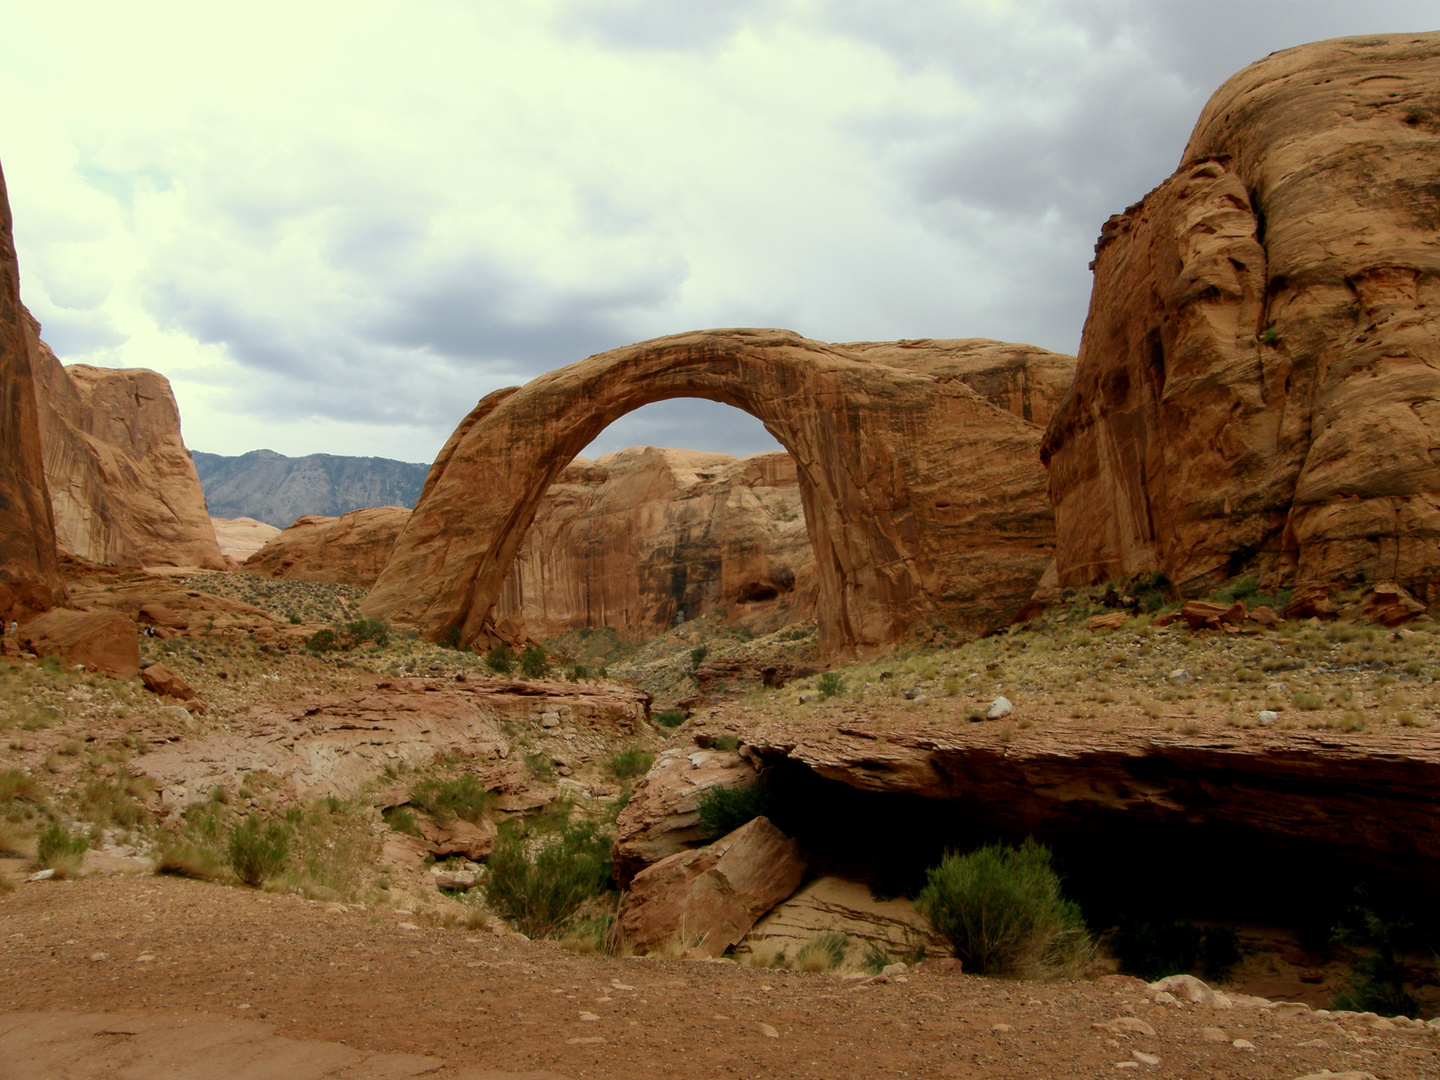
(833, 905)
(1258, 386)
(239, 538)
(642, 538)
(923, 498)
(29, 567)
(122, 485)
(95, 640)
(351, 549)
(705, 901)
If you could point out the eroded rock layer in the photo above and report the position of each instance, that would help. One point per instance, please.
(642, 538)
(29, 569)
(923, 498)
(1258, 385)
(122, 485)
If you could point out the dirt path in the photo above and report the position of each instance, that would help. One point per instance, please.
(159, 950)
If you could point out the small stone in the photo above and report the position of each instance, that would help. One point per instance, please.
(1001, 706)
(1179, 675)
(1243, 1044)
(144, 958)
(41, 875)
(588, 1017)
(1002, 1028)
(913, 693)
(1144, 1058)
(1380, 1025)
(804, 699)
(1213, 1035)
(1315, 1044)
(408, 926)
(1165, 998)
(894, 969)
(1267, 716)
(98, 956)
(1132, 1024)
(1127, 1064)
(1185, 987)
(769, 1032)
(920, 699)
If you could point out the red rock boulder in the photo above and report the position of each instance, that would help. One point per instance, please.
(707, 900)
(99, 640)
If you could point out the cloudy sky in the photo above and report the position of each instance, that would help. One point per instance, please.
(335, 226)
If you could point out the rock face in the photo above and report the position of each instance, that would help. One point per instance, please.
(352, 548)
(122, 485)
(833, 905)
(239, 538)
(662, 816)
(923, 498)
(1258, 386)
(643, 537)
(29, 568)
(706, 900)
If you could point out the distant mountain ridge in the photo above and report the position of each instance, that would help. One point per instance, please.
(276, 489)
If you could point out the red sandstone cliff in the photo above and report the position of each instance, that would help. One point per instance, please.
(350, 549)
(122, 485)
(1258, 385)
(29, 569)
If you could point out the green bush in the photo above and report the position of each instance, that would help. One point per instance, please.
(697, 655)
(451, 640)
(363, 630)
(1001, 909)
(500, 659)
(538, 887)
(534, 664)
(401, 820)
(830, 683)
(1153, 949)
(325, 640)
(579, 672)
(445, 800)
(634, 761)
(258, 850)
(1379, 980)
(57, 850)
(823, 952)
(724, 809)
(540, 765)
(669, 718)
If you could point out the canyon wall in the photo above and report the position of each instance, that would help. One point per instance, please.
(1258, 385)
(122, 486)
(29, 567)
(350, 549)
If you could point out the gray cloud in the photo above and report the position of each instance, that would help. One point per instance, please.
(658, 24)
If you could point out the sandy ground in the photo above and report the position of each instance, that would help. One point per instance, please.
(162, 955)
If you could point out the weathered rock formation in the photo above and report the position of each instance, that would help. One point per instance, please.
(239, 538)
(643, 537)
(923, 498)
(352, 548)
(122, 485)
(95, 640)
(832, 905)
(29, 569)
(1258, 384)
(706, 900)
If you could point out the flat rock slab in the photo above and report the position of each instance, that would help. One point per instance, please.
(197, 1046)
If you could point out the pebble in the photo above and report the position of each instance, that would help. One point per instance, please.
(408, 926)
(1127, 1064)
(769, 1032)
(41, 875)
(1144, 1058)
(588, 1016)
(98, 956)
(1131, 1024)
(1213, 1035)
(1180, 675)
(1001, 706)
(1243, 1044)
(1267, 716)
(1001, 1028)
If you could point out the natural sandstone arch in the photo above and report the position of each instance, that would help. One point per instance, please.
(925, 499)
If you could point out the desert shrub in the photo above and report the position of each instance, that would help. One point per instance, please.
(1001, 909)
(401, 820)
(875, 959)
(669, 718)
(534, 664)
(500, 659)
(724, 809)
(579, 672)
(181, 859)
(633, 761)
(117, 803)
(258, 850)
(1219, 952)
(325, 640)
(823, 952)
(830, 683)
(363, 630)
(1379, 980)
(540, 765)
(697, 655)
(451, 640)
(56, 849)
(445, 800)
(17, 786)
(1152, 950)
(537, 886)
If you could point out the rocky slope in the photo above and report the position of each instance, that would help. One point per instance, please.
(122, 485)
(1258, 383)
(29, 569)
(277, 489)
(923, 497)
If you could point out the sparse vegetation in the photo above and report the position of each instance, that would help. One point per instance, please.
(823, 952)
(258, 849)
(500, 659)
(630, 762)
(830, 683)
(724, 809)
(451, 798)
(669, 718)
(1002, 911)
(59, 850)
(539, 883)
(534, 664)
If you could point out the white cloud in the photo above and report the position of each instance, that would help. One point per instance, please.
(334, 227)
